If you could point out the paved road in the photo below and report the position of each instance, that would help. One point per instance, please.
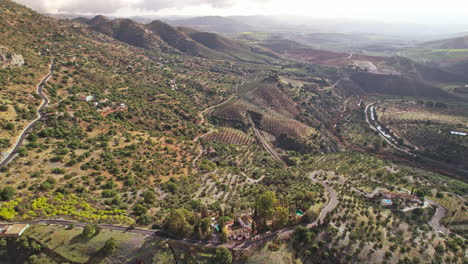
(434, 165)
(40, 114)
(332, 202)
(440, 213)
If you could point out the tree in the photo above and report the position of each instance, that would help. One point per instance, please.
(149, 197)
(89, 230)
(110, 246)
(204, 211)
(144, 219)
(139, 209)
(224, 234)
(302, 234)
(281, 216)
(223, 256)
(7, 193)
(205, 226)
(440, 249)
(9, 126)
(178, 222)
(265, 204)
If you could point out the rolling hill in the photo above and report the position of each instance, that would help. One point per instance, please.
(128, 31)
(157, 36)
(235, 49)
(216, 24)
(452, 43)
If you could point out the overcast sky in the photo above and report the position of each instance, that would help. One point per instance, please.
(415, 11)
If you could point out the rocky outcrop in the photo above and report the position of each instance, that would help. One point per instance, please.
(8, 58)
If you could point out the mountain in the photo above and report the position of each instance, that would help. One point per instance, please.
(82, 20)
(99, 19)
(158, 36)
(180, 40)
(216, 24)
(452, 43)
(235, 49)
(128, 31)
(413, 79)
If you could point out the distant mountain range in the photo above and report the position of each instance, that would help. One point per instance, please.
(160, 36)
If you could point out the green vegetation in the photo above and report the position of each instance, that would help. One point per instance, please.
(132, 138)
(223, 256)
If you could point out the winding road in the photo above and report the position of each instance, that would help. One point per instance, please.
(431, 164)
(45, 101)
(244, 245)
(440, 212)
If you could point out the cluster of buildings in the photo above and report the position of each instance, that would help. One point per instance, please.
(241, 230)
(244, 227)
(388, 198)
(14, 230)
(245, 232)
(105, 106)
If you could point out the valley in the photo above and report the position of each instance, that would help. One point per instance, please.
(206, 140)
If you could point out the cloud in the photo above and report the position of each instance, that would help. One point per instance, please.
(111, 6)
(156, 5)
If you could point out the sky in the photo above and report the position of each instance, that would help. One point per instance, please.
(412, 11)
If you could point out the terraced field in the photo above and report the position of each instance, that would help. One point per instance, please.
(230, 136)
(268, 96)
(269, 107)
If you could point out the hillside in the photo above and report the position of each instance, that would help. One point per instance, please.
(218, 24)
(235, 49)
(127, 142)
(159, 36)
(130, 32)
(413, 79)
(453, 43)
(181, 41)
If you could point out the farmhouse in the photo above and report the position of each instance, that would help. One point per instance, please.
(239, 234)
(403, 196)
(15, 230)
(245, 221)
(85, 98)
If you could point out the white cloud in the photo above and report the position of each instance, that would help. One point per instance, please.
(394, 10)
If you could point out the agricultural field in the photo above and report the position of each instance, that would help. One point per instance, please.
(436, 55)
(421, 124)
(149, 131)
(230, 136)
